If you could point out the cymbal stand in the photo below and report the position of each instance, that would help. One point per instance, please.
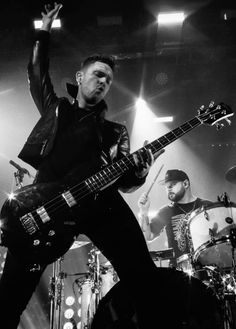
(56, 294)
(232, 237)
(94, 265)
(229, 315)
(19, 178)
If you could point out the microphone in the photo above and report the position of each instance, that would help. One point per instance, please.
(18, 167)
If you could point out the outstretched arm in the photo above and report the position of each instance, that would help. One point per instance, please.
(50, 14)
(151, 227)
(40, 85)
(143, 218)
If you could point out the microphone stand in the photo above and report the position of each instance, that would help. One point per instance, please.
(19, 175)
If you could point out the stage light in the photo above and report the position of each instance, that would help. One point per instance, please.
(38, 24)
(164, 119)
(189, 272)
(69, 313)
(228, 14)
(11, 196)
(140, 104)
(170, 18)
(70, 300)
(68, 325)
(3, 255)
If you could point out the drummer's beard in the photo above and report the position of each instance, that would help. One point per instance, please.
(176, 197)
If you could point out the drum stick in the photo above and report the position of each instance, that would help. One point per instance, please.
(155, 178)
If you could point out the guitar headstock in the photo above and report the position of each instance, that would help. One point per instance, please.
(215, 114)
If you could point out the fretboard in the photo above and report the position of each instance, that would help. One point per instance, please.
(107, 175)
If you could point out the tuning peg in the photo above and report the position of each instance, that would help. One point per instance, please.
(219, 125)
(212, 103)
(201, 110)
(228, 121)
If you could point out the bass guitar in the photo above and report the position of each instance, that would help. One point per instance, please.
(34, 219)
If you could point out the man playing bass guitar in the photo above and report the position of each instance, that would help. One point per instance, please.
(69, 143)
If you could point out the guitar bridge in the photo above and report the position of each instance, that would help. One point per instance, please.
(29, 223)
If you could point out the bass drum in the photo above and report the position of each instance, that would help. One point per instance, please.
(191, 305)
(210, 231)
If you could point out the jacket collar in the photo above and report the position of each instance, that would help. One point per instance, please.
(72, 90)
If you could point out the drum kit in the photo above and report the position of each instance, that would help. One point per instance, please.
(212, 239)
(211, 234)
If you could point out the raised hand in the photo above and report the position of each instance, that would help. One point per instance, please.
(144, 203)
(49, 15)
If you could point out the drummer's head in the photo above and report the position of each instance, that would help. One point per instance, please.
(177, 184)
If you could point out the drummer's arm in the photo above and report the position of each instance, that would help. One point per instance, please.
(151, 226)
(144, 223)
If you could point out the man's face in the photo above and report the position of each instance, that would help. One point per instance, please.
(175, 190)
(95, 81)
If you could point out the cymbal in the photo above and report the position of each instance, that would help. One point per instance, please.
(77, 244)
(230, 175)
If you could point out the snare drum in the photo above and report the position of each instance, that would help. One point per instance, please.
(209, 230)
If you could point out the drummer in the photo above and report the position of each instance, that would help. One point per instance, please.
(172, 217)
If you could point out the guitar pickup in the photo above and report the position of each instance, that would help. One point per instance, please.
(70, 200)
(29, 223)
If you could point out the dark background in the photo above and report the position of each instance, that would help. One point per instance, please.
(175, 69)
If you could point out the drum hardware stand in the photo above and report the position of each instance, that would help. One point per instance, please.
(94, 265)
(56, 294)
(229, 317)
(19, 174)
(224, 198)
(232, 237)
(206, 214)
(94, 274)
(212, 237)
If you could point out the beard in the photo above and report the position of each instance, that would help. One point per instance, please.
(175, 197)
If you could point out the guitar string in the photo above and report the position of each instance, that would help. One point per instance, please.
(81, 187)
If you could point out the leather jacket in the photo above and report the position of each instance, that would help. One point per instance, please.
(40, 140)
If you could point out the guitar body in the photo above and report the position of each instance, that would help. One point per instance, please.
(51, 239)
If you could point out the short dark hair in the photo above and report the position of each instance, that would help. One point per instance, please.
(107, 59)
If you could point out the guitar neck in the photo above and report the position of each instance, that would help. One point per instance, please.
(106, 176)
